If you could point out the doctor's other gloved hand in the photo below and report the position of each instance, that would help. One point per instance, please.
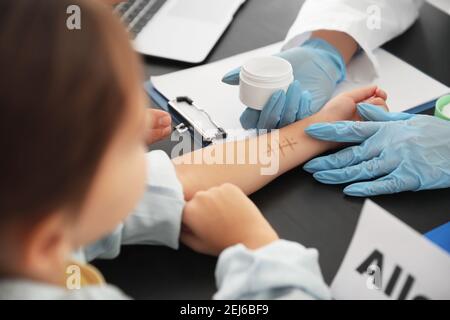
(400, 151)
(222, 217)
(318, 67)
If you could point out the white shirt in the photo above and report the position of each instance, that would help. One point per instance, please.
(370, 22)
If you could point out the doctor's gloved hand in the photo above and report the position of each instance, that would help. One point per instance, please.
(318, 67)
(400, 151)
(281, 110)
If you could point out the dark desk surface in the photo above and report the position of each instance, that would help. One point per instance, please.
(298, 207)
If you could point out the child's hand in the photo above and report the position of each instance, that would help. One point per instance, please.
(343, 106)
(159, 125)
(222, 217)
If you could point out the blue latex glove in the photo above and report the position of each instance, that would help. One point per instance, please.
(281, 109)
(318, 67)
(403, 152)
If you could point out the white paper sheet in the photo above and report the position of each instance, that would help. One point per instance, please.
(443, 5)
(416, 260)
(406, 86)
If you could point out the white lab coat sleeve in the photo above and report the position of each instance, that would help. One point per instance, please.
(370, 22)
(280, 270)
(156, 219)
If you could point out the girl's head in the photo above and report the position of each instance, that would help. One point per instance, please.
(72, 162)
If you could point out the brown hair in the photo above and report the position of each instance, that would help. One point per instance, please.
(62, 96)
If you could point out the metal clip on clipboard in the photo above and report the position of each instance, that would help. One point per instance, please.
(195, 119)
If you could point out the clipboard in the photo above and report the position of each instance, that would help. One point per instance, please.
(188, 117)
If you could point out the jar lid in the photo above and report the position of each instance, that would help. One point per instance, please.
(267, 69)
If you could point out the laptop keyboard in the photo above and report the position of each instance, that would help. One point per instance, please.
(135, 14)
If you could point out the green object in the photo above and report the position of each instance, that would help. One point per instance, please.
(440, 104)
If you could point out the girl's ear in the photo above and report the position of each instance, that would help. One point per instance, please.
(47, 248)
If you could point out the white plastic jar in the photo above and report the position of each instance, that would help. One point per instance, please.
(261, 77)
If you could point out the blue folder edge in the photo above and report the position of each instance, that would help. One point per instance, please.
(440, 236)
(160, 101)
(424, 107)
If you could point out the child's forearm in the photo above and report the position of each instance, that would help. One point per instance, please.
(290, 148)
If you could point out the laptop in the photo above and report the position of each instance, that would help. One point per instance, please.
(183, 30)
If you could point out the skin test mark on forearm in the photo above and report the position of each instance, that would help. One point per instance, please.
(286, 143)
